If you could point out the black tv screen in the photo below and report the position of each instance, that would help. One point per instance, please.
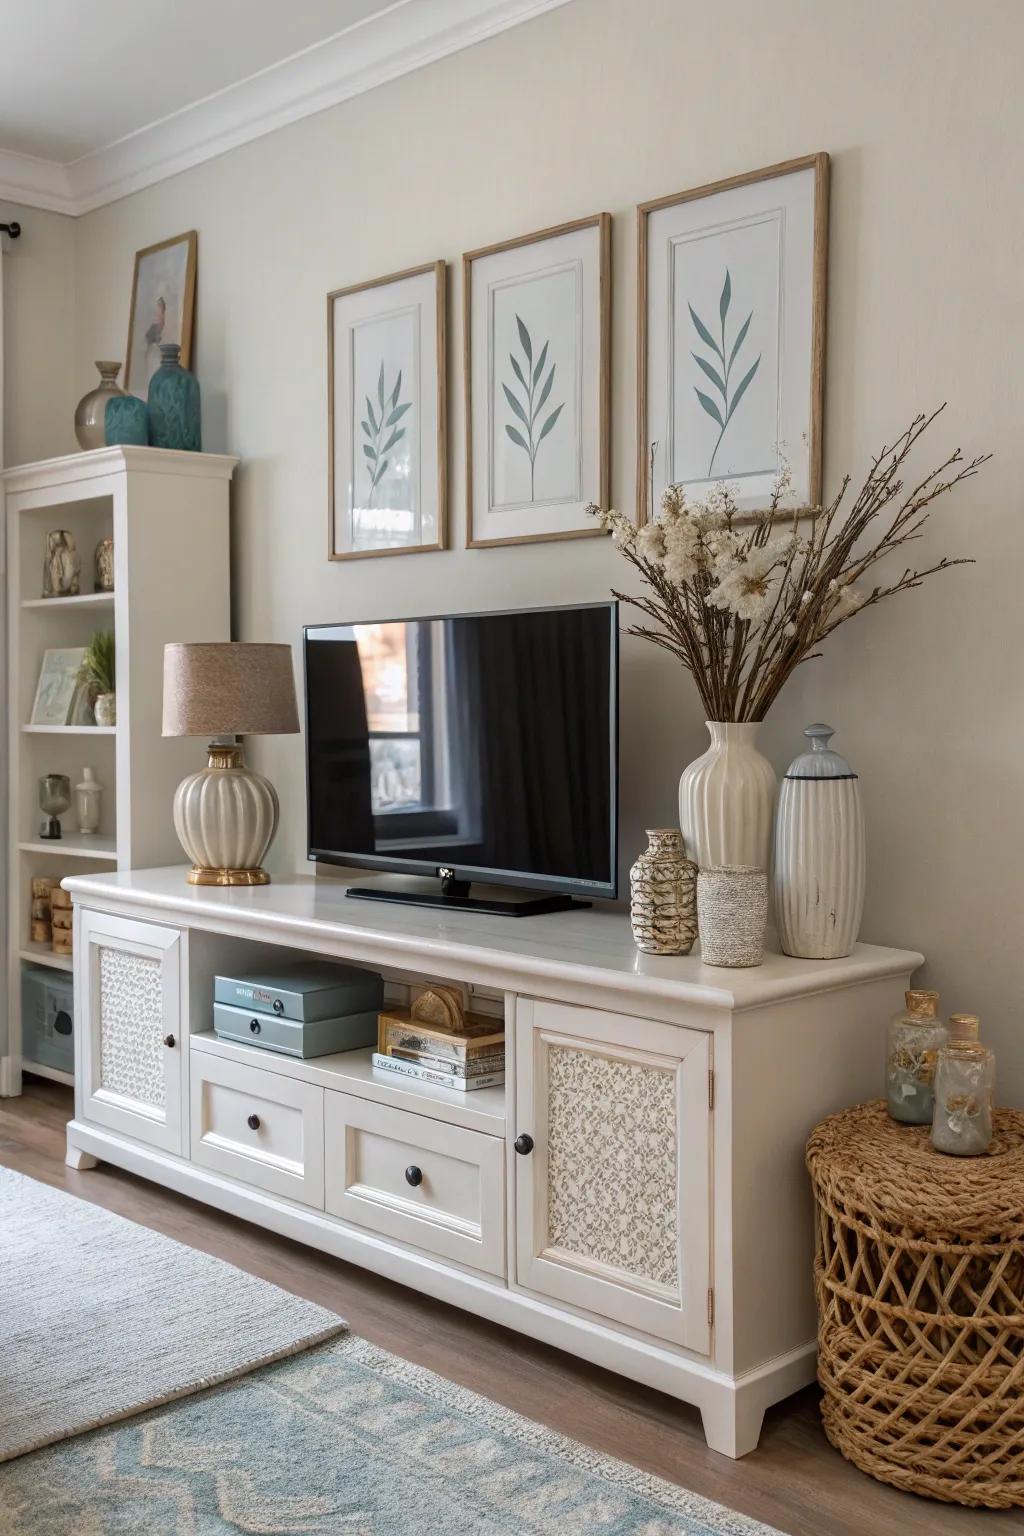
(483, 745)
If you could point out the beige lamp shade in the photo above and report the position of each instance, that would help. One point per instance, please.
(229, 689)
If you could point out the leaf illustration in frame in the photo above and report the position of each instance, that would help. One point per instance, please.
(528, 406)
(391, 412)
(723, 415)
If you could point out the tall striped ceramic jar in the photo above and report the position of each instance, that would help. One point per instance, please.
(819, 866)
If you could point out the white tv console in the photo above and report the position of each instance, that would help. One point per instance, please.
(635, 1194)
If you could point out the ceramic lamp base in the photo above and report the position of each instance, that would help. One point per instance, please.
(225, 817)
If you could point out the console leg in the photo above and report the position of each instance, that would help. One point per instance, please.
(76, 1158)
(732, 1425)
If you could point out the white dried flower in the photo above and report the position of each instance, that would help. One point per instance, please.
(789, 629)
(672, 501)
(848, 600)
(650, 542)
(682, 552)
(805, 598)
(744, 592)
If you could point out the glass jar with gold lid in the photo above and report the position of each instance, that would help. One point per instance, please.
(965, 1076)
(915, 1038)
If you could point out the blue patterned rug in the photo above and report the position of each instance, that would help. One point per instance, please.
(344, 1439)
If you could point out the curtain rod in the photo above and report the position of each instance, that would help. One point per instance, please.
(13, 229)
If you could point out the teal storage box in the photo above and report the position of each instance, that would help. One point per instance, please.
(295, 1037)
(47, 1018)
(309, 991)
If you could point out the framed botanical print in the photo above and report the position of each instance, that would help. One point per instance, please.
(163, 305)
(731, 353)
(387, 416)
(537, 337)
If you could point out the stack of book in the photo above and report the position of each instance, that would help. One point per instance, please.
(438, 1042)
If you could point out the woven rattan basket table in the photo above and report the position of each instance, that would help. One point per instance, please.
(919, 1274)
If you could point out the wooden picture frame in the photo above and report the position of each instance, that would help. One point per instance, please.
(430, 419)
(179, 279)
(592, 389)
(807, 488)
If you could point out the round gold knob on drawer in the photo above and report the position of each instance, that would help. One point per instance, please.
(253, 1122)
(170, 1042)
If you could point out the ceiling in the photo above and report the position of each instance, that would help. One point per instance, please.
(101, 97)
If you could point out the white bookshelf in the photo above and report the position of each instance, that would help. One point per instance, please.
(168, 515)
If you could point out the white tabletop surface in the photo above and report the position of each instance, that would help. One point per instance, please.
(591, 946)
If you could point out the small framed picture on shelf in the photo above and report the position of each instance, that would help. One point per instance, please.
(731, 345)
(537, 339)
(163, 304)
(59, 694)
(386, 415)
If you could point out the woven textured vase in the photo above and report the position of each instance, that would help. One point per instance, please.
(732, 909)
(919, 1274)
(726, 800)
(663, 896)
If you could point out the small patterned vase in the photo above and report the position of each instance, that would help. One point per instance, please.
(663, 896)
(126, 420)
(174, 419)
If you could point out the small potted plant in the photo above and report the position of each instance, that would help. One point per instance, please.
(98, 674)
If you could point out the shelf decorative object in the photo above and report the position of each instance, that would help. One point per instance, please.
(726, 799)
(104, 564)
(732, 910)
(54, 800)
(40, 926)
(174, 408)
(663, 895)
(57, 688)
(62, 566)
(87, 802)
(126, 421)
(919, 1275)
(91, 411)
(98, 674)
(741, 598)
(965, 1075)
(226, 815)
(915, 1037)
(62, 920)
(818, 872)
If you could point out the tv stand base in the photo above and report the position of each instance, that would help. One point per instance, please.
(454, 896)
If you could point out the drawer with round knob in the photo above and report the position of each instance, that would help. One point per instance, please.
(438, 1187)
(258, 1126)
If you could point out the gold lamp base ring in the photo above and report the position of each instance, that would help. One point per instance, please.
(199, 876)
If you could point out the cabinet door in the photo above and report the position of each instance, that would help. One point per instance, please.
(613, 1202)
(130, 1034)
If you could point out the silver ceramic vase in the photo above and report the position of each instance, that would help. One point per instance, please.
(819, 866)
(91, 411)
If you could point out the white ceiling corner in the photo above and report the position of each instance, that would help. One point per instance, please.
(394, 41)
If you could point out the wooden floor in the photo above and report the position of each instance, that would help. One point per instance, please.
(794, 1481)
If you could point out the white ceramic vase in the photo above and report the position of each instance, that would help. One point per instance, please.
(726, 800)
(819, 871)
(225, 817)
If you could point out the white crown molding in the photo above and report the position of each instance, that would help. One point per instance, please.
(406, 36)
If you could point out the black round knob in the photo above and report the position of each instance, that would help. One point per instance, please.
(253, 1122)
(413, 1175)
(278, 1005)
(63, 1024)
(523, 1144)
(255, 1026)
(169, 1042)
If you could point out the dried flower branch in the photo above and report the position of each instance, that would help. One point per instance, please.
(742, 606)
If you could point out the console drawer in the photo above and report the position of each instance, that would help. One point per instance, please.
(259, 1127)
(455, 1208)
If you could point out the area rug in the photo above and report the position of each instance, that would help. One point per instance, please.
(101, 1318)
(345, 1439)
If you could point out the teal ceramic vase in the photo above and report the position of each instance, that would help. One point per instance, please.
(126, 420)
(174, 420)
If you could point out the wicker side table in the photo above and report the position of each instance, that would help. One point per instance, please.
(919, 1274)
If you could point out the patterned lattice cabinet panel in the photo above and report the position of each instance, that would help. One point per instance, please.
(131, 1027)
(612, 1164)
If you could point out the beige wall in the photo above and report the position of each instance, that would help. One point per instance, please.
(597, 106)
(39, 335)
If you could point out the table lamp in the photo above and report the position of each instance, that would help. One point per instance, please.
(226, 815)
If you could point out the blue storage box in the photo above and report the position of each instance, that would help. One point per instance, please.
(47, 1018)
(308, 990)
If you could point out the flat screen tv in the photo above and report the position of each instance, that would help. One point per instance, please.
(477, 747)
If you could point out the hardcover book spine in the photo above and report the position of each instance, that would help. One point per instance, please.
(395, 1035)
(477, 1067)
(440, 1079)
